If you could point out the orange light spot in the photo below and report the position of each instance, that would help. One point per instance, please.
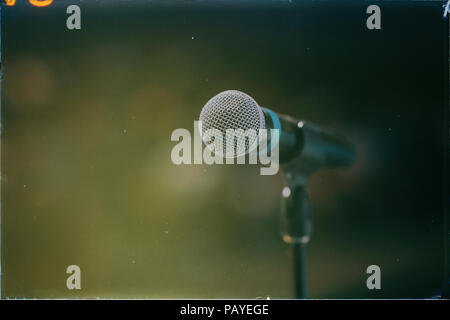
(40, 3)
(10, 2)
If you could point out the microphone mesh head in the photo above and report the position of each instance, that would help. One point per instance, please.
(231, 109)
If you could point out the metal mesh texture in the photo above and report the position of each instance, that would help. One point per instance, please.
(231, 109)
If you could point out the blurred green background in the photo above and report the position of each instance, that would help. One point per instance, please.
(87, 177)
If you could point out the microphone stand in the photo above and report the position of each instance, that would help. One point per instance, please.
(316, 149)
(296, 223)
(297, 229)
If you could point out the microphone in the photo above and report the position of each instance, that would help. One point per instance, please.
(303, 148)
(302, 145)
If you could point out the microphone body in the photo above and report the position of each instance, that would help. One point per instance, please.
(306, 146)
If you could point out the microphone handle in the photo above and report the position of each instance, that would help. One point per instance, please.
(313, 144)
(309, 145)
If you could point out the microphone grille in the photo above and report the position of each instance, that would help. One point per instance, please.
(232, 109)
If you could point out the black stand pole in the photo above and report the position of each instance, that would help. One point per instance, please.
(297, 229)
(300, 270)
